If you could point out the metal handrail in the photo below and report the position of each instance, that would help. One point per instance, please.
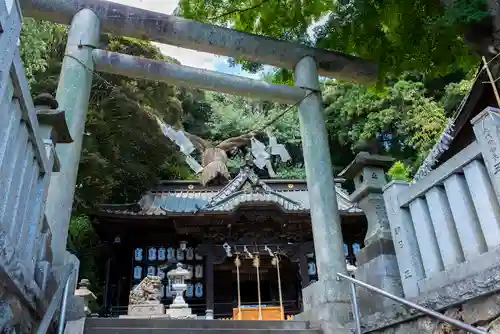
(437, 315)
(61, 293)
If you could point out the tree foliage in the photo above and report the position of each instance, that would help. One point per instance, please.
(86, 245)
(232, 116)
(399, 171)
(399, 35)
(124, 153)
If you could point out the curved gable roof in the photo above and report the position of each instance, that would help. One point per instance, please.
(245, 189)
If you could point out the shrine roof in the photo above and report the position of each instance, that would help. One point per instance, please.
(458, 134)
(189, 197)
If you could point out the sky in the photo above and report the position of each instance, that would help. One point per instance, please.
(185, 56)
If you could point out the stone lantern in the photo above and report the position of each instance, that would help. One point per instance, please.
(179, 309)
(84, 293)
(376, 262)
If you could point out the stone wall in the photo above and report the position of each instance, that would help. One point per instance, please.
(481, 312)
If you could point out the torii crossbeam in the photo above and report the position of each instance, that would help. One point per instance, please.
(173, 30)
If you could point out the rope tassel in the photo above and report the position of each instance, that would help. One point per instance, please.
(256, 264)
(276, 262)
(237, 262)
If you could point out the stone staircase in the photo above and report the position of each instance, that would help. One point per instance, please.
(154, 326)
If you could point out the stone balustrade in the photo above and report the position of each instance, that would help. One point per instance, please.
(446, 226)
(29, 131)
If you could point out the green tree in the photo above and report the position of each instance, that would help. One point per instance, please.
(402, 118)
(232, 116)
(124, 153)
(399, 171)
(87, 246)
(399, 35)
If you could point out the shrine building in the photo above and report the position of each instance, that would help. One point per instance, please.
(183, 221)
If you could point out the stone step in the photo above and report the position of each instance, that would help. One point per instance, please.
(148, 330)
(95, 323)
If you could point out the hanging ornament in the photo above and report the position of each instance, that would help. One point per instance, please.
(356, 248)
(190, 290)
(161, 274)
(198, 271)
(262, 154)
(177, 136)
(190, 269)
(152, 254)
(256, 262)
(227, 248)
(311, 268)
(182, 141)
(137, 272)
(138, 254)
(189, 253)
(170, 254)
(247, 252)
(180, 254)
(161, 253)
(278, 149)
(198, 290)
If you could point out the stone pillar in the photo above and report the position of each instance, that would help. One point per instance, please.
(327, 301)
(405, 242)
(426, 238)
(78, 303)
(485, 127)
(304, 274)
(376, 262)
(84, 293)
(73, 94)
(37, 253)
(209, 282)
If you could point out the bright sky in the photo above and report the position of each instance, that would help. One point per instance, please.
(185, 56)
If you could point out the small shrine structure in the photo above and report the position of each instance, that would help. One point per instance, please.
(206, 227)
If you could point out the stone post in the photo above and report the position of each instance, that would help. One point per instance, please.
(485, 126)
(84, 293)
(209, 283)
(73, 94)
(78, 307)
(376, 262)
(406, 247)
(326, 302)
(54, 130)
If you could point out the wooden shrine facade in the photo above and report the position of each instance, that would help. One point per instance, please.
(183, 221)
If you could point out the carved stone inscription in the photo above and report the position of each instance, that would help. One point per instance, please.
(405, 243)
(487, 130)
(378, 224)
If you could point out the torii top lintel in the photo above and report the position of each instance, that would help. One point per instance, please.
(139, 23)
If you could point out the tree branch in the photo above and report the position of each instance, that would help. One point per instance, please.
(238, 10)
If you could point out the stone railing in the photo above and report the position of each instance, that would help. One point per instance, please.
(27, 159)
(445, 227)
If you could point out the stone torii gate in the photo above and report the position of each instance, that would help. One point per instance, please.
(326, 302)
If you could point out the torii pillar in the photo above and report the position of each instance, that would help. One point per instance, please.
(326, 302)
(73, 92)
